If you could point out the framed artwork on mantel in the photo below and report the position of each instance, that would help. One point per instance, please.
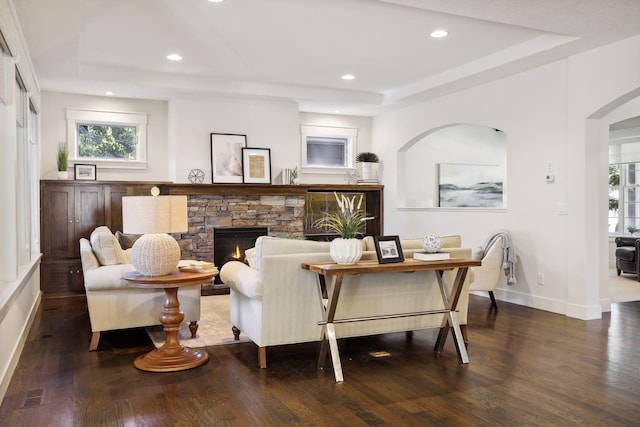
(256, 165)
(226, 157)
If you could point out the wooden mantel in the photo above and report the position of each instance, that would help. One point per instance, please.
(260, 189)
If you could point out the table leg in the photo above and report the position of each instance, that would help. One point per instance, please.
(172, 356)
(329, 334)
(451, 320)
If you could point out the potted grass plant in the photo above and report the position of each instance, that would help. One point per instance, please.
(345, 222)
(62, 157)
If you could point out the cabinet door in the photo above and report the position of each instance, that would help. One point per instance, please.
(113, 206)
(62, 278)
(89, 212)
(58, 222)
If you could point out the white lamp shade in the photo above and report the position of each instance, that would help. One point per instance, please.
(154, 214)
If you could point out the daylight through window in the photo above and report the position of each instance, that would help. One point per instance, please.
(327, 149)
(107, 139)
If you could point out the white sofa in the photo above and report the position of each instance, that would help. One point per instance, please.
(114, 304)
(276, 302)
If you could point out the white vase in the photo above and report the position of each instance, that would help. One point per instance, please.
(367, 170)
(63, 175)
(345, 251)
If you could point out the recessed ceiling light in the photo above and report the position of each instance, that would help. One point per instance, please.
(216, 1)
(108, 93)
(348, 77)
(174, 57)
(336, 111)
(439, 34)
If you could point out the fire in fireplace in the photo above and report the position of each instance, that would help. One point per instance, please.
(229, 243)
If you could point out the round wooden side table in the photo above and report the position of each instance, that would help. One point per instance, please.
(172, 356)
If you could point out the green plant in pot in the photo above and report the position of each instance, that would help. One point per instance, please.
(367, 165)
(345, 222)
(633, 230)
(62, 157)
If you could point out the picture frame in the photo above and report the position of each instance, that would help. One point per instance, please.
(226, 157)
(83, 172)
(471, 186)
(256, 165)
(388, 249)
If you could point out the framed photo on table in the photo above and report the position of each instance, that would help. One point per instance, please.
(256, 165)
(84, 172)
(226, 157)
(388, 249)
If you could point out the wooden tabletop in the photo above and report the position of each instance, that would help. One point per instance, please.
(372, 266)
(173, 280)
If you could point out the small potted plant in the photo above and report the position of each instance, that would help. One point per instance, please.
(367, 165)
(62, 157)
(633, 230)
(295, 176)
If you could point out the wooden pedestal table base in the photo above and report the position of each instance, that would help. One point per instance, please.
(172, 356)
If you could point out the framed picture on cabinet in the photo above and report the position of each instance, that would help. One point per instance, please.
(84, 172)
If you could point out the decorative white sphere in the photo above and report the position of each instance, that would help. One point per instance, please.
(431, 243)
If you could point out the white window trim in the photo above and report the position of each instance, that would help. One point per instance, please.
(328, 131)
(112, 118)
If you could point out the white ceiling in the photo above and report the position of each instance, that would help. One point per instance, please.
(298, 49)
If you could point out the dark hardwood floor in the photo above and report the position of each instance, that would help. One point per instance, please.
(528, 368)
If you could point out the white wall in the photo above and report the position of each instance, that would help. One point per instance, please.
(544, 113)
(178, 133)
(54, 130)
(267, 124)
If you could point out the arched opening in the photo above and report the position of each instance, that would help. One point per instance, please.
(459, 165)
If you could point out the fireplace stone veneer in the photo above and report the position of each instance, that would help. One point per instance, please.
(283, 215)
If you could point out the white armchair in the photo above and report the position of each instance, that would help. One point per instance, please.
(112, 303)
(488, 276)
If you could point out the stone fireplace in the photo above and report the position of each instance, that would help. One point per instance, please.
(229, 243)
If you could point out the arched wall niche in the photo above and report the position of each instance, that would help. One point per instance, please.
(458, 153)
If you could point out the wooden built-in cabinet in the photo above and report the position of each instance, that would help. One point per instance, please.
(70, 210)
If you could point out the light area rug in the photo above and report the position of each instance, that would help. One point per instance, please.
(623, 288)
(214, 329)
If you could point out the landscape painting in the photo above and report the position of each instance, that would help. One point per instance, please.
(471, 186)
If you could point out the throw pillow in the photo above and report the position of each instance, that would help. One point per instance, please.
(105, 246)
(127, 240)
(250, 255)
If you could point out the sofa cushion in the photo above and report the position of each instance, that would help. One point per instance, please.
(127, 240)
(448, 241)
(268, 245)
(105, 246)
(250, 256)
(626, 253)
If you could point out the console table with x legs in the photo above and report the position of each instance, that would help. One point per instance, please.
(450, 300)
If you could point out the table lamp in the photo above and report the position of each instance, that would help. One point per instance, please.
(155, 253)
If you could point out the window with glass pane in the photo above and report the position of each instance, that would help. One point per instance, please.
(326, 151)
(614, 198)
(108, 139)
(98, 141)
